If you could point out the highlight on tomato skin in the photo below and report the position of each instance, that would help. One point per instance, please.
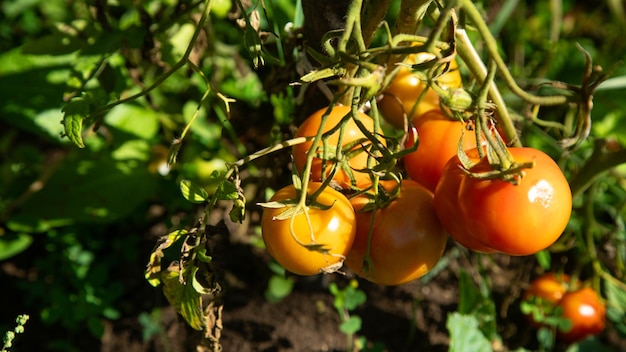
(407, 239)
(351, 134)
(333, 229)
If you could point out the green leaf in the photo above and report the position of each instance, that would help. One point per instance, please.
(193, 192)
(100, 190)
(278, 288)
(238, 212)
(354, 297)
(134, 120)
(184, 297)
(351, 325)
(11, 245)
(616, 305)
(153, 269)
(465, 335)
(74, 113)
(476, 302)
(226, 190)
(544, 259)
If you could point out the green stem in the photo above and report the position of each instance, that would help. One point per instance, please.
(470, 57)
(410, 16)
(599, 162)
(492, 47)
(372, 14)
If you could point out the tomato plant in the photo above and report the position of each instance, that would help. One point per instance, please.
(438, 141)
(586, 312)
(353, 164)
(554, 300)
(311, 243)
(517, 219)
(542, 296)
(406, 239)
(403, 96)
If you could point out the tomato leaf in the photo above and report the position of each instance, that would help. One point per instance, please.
(328, 72)
(193, 192)
(544, 259)
(74, 113)
(153, 270)
(184, 298)
(11, 245)
(226, 190)
(465, 334)
(475, 300)
(351, 325)
(278, 288)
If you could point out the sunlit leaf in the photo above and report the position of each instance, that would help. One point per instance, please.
(193, 192)
(153, 269)
(184, 298)
(11, 245)
(74, 113)
(465, 334)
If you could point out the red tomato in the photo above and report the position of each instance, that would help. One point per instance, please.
(351, 134)
(333, 228)
(586, 312)
(405, 89)
(407, 240)
(517, 219)
(439, 139)
(447, 206)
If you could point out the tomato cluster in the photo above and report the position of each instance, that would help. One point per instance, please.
(391, 230)
(388, 243)
(558, 296)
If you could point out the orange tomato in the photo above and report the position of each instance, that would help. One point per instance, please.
(407, 240)
(356, 166)
(402, 94)
(332, 230)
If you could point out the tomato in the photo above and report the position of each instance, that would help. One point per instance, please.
(333, 228)
(405, 89)
(407, 240)
(518, 219)
(447, 206)
(351, 134)
(545, 292)
(549, 287)
(586, 312)
(439, 139)
(582, 307)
